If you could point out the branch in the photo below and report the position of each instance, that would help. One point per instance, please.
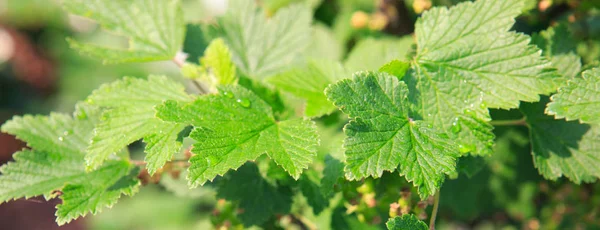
(519, 122)
(179, 60)
(436, 205)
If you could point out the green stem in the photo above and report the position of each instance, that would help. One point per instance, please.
(199, 86)
(179, 60)
(519, 122)
(436, 205)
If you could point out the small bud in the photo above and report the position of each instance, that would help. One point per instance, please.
(378, 22)
(533, 224)
(421, 5)
(7, 46)
(394, 208)
(543, 5)
(359, 20)
(369, 199)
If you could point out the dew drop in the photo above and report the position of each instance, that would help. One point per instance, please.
(483, 106)
(468, 112)
(228, 94)
(61, 139)
(244, 102)
(455, 126)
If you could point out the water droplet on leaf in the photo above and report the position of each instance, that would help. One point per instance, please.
(455, 126)
(244, 102)
(228, 94)
(483, 106)
(469, 112)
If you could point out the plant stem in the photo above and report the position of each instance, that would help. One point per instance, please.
(179, 60)
(519, 122)
(436, 204)
(199, 86)
(306, 222)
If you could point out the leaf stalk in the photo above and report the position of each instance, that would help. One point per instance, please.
(519, 122)
(436, 204)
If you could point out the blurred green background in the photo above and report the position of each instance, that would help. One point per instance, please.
(39, 74)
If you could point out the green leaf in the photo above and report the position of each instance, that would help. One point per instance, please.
(131, 116)
(311, 190)
(309, 82)
(406, 222)
(563, 148)
(270, 95)
(258, 199)
(56, 162)
(579, 99)
(381, 135)
(217, 60)
(559, 47)
(370, 53)
(101, 188)
(324, 44)
(262, 47)
(236, 126)
(274, 5)
(470, 165)
(155, 29)
(396, 68)
(333, 172)
(468, 61)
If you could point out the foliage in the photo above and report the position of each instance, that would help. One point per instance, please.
(258, 116)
